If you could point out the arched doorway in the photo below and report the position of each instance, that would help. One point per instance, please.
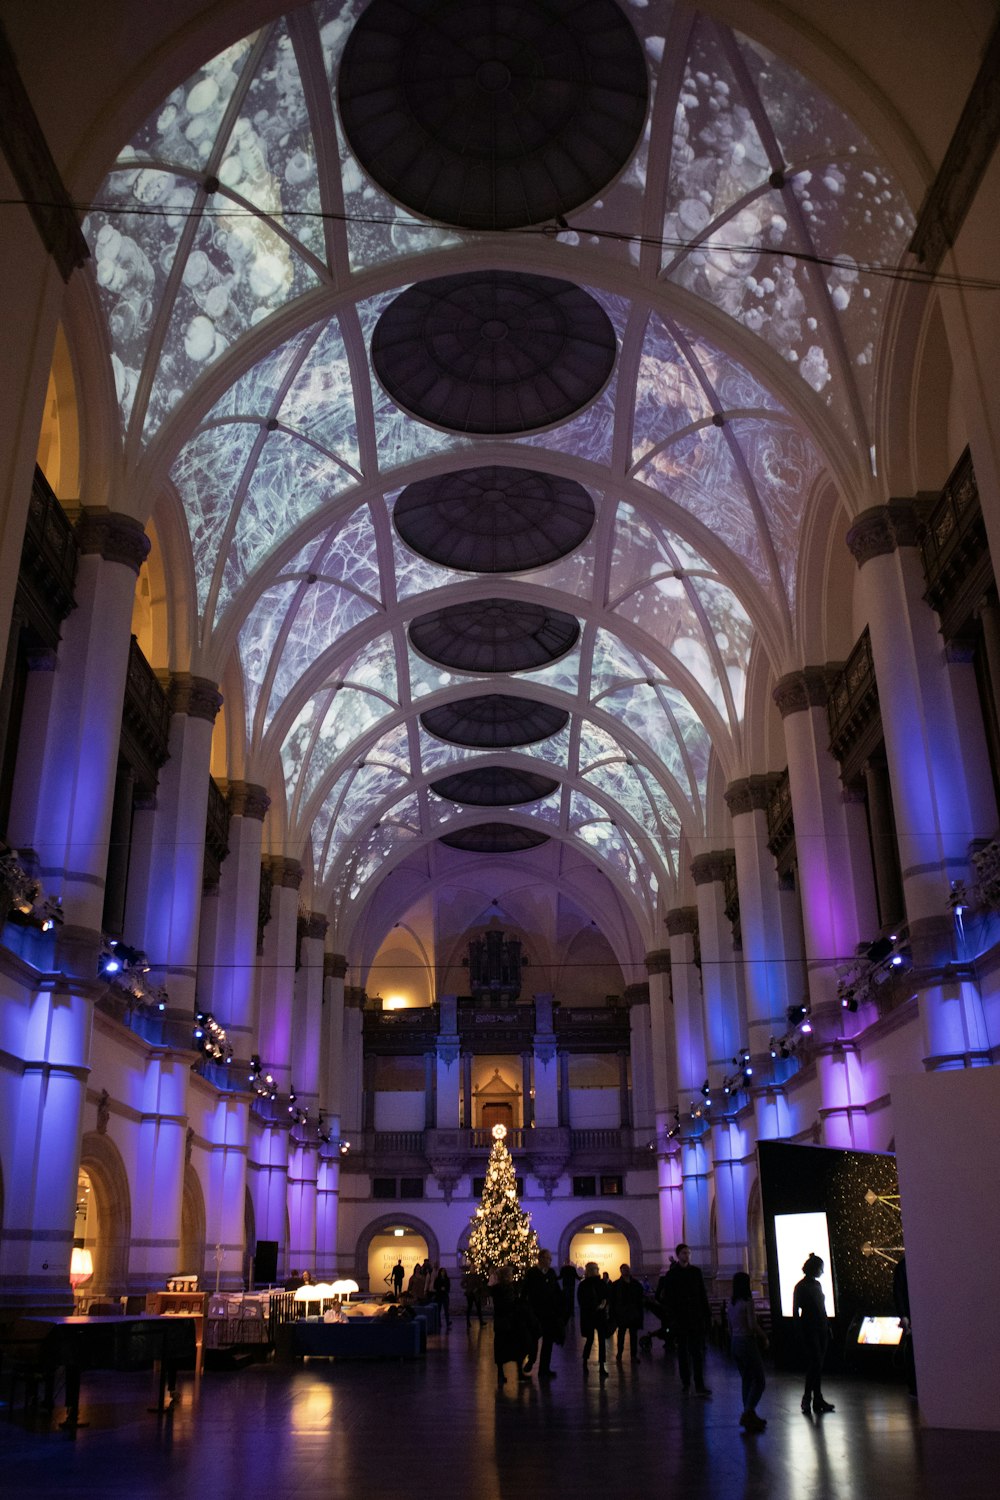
(381, 1244)
(192, 1249)
(103, 1217)
(605, 1238)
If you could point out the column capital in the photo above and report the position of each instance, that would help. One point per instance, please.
(285, 872)
(112, 536)
(334, 965)
(315, 926)
(750, 793)
(881, 529)
(246, 800)
(197, 697)
(637, 994)
(658, 961)
(681, 920)
(807, 688)
(712, 866)
(354, 997)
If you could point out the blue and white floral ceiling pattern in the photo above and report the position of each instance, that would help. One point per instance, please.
(242, 259)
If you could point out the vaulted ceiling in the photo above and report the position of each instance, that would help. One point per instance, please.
(485, 365)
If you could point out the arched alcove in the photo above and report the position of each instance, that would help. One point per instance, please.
(402, 1219)
(192, 1249)
(610, 1221)
(112, 1211)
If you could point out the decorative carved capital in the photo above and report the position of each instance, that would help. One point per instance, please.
(545, 1049)
(751, 793)
(285, 872)
(448, 1052)
(316, 925)
(354, 997)
(658, 962)
(681, 920)
(637, 994)
(706, 868)
(112, 536)
(808, 688)
(882, 529)
(197, 697)
(334, 965)
(247, 800)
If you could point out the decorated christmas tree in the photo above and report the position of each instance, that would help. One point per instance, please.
(501, 1233)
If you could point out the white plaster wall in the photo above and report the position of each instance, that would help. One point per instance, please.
(399, 1111)
(947, 1150)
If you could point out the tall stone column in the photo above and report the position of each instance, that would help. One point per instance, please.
(838, 894)
(772, 952)
(641, 1057)
(307, 1032)
(225, 1194)
(724, 1022)
(331, 1088)
(159, 1176)
(467, 1090)
(277, 971)
(70, 822)
(327, 1211)
(937, 812)
(267, 1179)
(229, 979)
(546, 1065)
(448, 1072)
(838, 891)
(692, 1069)
(303, 1170)
(564, 1111)
(352, 1072)
(662, 1044)
(40, 1174)
(164, 911)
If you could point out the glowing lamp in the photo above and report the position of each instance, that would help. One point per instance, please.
(81, 1266)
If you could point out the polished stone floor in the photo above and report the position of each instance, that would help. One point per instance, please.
(441, 1428)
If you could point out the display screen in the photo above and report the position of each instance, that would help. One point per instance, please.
(797, 1236)
(880, 1331)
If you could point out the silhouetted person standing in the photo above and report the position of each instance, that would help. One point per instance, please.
(809, 1311)
(628, 1301)
(398, 1274)
(544, 1297)
(689, 1317)
(592, 1300)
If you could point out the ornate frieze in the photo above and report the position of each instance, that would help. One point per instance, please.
(247, 800)
(750, 793)
(197, 697)
(706, 868)
(681, 920)
(882, 529)
(807, 688)
(112, 536)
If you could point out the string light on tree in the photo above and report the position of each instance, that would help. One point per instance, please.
(501, 1232)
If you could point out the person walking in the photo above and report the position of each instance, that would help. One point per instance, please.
(747, 1340)
(569, 1276)
(508, 1340)
(545, 1301)
(689, 1316)
(627, 1302)
(397, 1275)
(474, 1286)
(592, 1300)
(809, 1311)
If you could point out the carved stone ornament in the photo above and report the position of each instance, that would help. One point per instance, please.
(316, 925)
(334, 965)
(197, 697)
(638, 993)
(545, 1050)
(189, 1144)
(448, 1053)
(808, 688)
(681, 920)
(706, 868)
(286, 872)
(882, 529)
(103, 1111)
(247, 800)
(750, 794)
(658, 962)
(114, 537)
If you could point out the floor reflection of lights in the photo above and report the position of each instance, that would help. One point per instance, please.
(312, 1409)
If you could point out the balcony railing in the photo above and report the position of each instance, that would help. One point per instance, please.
(954, 548)
(145, 718)
(398, 1142)
(853, 710)
(597, 1140)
